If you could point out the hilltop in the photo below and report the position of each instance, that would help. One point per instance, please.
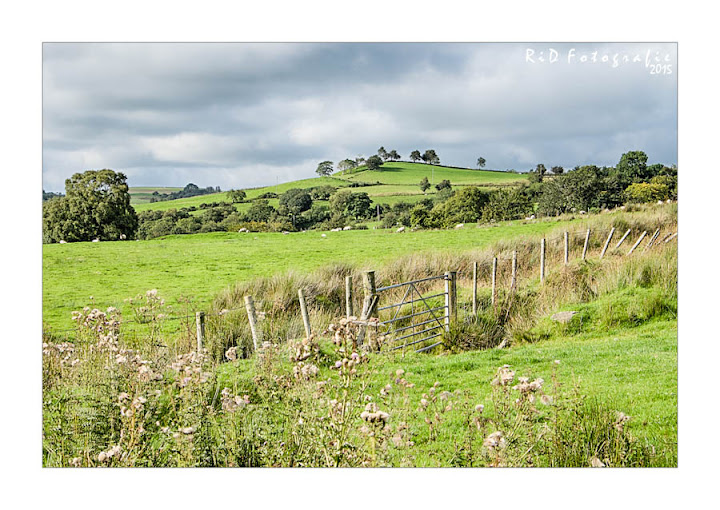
(396, 181)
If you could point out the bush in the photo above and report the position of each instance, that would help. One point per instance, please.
(643, 192)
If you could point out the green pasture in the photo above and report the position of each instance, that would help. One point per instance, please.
(200, 265)
(412, 173)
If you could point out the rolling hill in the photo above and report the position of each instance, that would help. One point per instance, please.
(397, 181)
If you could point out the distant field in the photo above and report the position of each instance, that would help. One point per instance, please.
(399, 183)
(201, 265)
(142, 194)
(412, 174)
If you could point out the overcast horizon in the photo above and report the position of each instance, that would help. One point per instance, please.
(240, 115)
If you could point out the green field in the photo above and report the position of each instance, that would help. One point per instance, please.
(143, 194)
(399, 182)
(412, 173)
(201, 265)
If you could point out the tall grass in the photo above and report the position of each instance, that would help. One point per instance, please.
(515, 314)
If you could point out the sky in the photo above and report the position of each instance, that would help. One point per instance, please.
(240, 115)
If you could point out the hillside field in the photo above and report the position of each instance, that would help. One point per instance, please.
(398, 181)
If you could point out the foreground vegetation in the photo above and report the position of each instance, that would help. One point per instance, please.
(600, 390)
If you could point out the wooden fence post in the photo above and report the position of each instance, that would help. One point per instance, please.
(474, 289)
(348, 297)
(450, 298)
(673, 236)
(585, 246)
(652, 239)
(377, 208)
(252, 318)
(305, 315)
(494, 282)
(513, 278)
(370, 292)
(612, 231)
(621, 240)
(642, 236)
(567, 248)
(200, 325)
(542, 261)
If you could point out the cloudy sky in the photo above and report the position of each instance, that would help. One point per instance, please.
(242, 115)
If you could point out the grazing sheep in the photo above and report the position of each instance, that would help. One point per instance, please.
(96, 240)
(323, 235)
(459, 225)
(348, 227)
(401, 229)
(63, 242)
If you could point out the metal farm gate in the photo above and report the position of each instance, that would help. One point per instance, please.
(415, 319)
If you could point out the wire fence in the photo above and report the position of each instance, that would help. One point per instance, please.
(500, 275)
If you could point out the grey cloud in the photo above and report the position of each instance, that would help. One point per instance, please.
(235, 114)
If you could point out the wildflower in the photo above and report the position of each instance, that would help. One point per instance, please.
(621, 419)
(495, 440)
(187, 430)
(423, 403)
(76, 462)
(546, 399)
(338, 364)
(595, 462)
(557, 361)
(479, 408)
(399, 372)
(504, 376)
(445, 395)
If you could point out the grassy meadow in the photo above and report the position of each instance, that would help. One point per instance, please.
(201, 265)
(600, 390)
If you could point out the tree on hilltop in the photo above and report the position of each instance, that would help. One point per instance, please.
(325, 168)
(382, 153)
(430, 157)
(415, 156)
(374, 163)
(393, 155)
(347, 164)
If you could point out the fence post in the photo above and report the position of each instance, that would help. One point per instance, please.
(474, 290)
(621, 240)
(450, 298)
(304, 311)
(513, 279)
(585, 246)
(252, 318)
(542, 260)
(567, 248)
(494, 282)
(377, 208)
(642, 236)
(652, 239)
(602, 254)
(370, 292)
(348, 297)
(200, 324)
(673, 236)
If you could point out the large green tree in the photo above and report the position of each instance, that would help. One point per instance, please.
(96, 206)
(632, 166)
(415, 156)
